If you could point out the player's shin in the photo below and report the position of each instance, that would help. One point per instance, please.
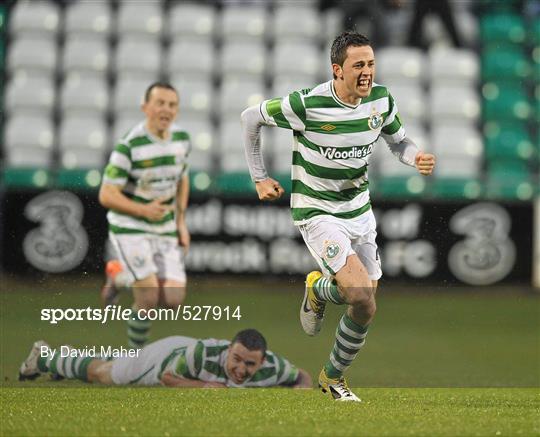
(138, 329)
(350, 337)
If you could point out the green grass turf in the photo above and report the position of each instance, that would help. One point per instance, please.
(263, 412)
(488, 339)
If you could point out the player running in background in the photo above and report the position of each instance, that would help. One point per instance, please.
(146, 188)
(335, 126)
(175, 362)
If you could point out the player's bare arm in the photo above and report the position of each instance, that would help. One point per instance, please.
(182, 197)
(304, 380)
(111, 197)
(170, 380)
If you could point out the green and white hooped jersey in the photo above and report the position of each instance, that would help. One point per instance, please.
(147, 168)
(205, 361)
(332, 146)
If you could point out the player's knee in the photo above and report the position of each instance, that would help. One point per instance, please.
(364, 301)
(174, 301)
(147, 302)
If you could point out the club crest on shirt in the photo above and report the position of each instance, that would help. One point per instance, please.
(331, 249)
(375, 120)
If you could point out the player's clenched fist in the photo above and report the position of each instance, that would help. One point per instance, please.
(424, 162)
(269, 189)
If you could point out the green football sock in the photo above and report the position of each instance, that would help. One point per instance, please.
(68, 367)
(327, 290)
(350, 337)
(138, 330)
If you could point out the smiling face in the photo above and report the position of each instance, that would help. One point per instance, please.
(160, 109)
(354, 79)
(242, 363)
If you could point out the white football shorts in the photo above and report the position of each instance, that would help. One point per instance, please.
(331, 240)
(145, 369)
(144, 254)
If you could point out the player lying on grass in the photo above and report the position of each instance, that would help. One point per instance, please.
(176, 362)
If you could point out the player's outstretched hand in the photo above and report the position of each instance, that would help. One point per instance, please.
(156, 210)
(269, 189)
(424, 162)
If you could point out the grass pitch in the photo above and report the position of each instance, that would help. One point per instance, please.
(164, 412)
(480, 350)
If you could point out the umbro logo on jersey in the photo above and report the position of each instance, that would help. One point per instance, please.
(328, 127)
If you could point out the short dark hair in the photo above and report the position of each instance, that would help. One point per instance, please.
(165, 85)
(338, 52)
(251, 339)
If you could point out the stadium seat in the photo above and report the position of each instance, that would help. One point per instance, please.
(294, 21)
(83, 53)
(403, 64)
(30, 17)
(297, 58)
(411, 102)
(136, 55)
(123, 122)
(142, 18)
(502, 27)
(32, 53)
(35, 94)
(279, 146)
(82, 158)
(83, 95)
(454, 66)
(285, 84)
(454, 102)
(26, 146)
(191, 56)
(504, 63)
(191, 20)
(88, 18)
(509, 180)
(83, 132)
(505, 101)
(196, 95)
(201, 157)
(230, 137)
(29, 157)
(333, 23)
(243, 58)
(457, 141)
(397, 179)
(128, 95)
(509, 140)
(235, 96)
(243, 22)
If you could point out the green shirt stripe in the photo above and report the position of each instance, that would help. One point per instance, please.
(140, 141)
(155, 162)
(325, 172)
(263, 374)
(297, 106)
(340, 196)
(123, 149)
(180, 136)
(339, 127)
(115, 172)
(320, 102)
(307, 213)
